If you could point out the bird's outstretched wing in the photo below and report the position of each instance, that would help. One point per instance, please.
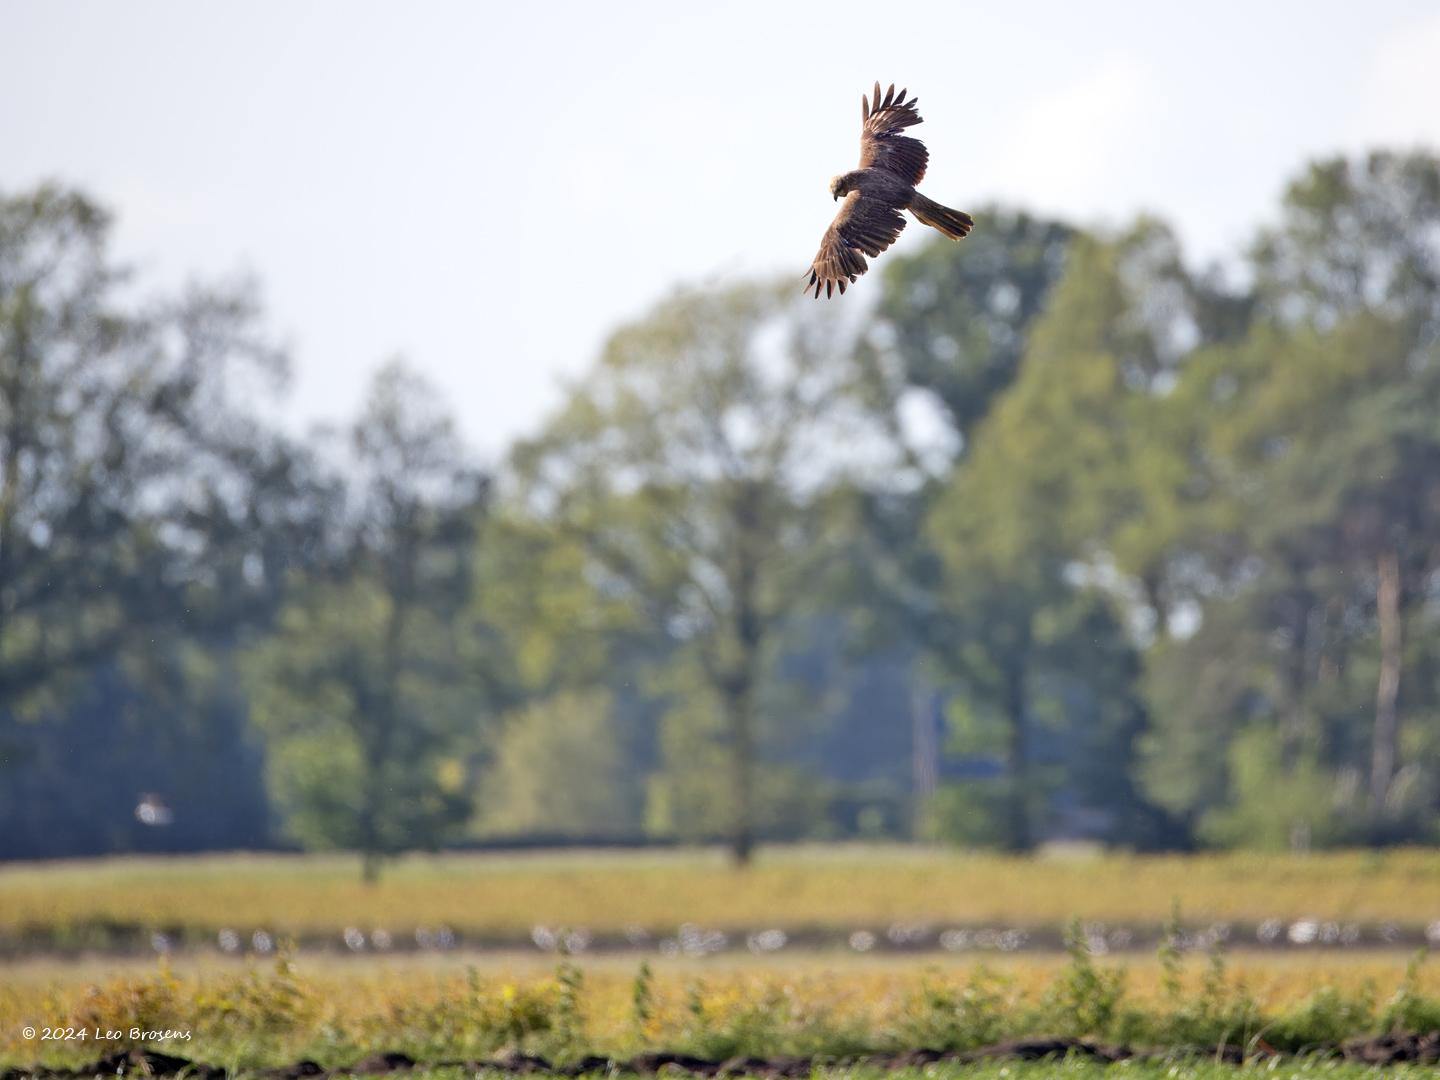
(864, 226)
(882, 146)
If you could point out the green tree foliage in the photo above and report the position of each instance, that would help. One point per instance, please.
(686, 464)
(1167, 547)
(173, 734)
(136, 498)
(1276, 803)
(147, 521)
(952, 318)
(1319, 455)
(558, 628)
(560, 768)
(1034, 521)
(370, 688)
(1248, 481)
(946, 342)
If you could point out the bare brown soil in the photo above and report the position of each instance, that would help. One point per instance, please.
(1382, 1050)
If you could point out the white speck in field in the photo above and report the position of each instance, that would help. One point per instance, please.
(907, 933)
(1011, 940)
(862, 941)
(767, 941)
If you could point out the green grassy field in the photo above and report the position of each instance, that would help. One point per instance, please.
(1179, 1069)
(805, 887)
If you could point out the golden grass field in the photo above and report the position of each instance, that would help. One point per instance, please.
(347, 1006)
(1275, 978)
(791, 887)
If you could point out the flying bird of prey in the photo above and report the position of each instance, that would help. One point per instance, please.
(891, 164)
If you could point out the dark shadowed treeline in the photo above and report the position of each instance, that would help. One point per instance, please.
(1063, 537)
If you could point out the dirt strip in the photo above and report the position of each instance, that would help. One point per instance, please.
(108, 938)
(1382, 1050)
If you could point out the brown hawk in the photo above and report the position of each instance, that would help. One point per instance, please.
(891, 164)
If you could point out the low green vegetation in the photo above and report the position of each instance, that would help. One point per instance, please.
(1183, 1067)
(283, 1011)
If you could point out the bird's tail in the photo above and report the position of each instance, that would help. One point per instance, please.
(956, 224)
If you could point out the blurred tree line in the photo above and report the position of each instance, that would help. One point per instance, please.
(1064, 537)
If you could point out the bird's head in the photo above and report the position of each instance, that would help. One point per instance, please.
(838, 186)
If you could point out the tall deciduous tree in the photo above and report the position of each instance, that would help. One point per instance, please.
(1310, 447)
(1055, 508)
(686, 463)
(1357, 253)
(136, 498)
(944, 345)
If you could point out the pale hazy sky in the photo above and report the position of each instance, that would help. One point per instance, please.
(488, 189)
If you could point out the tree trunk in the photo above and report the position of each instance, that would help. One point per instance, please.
(747, 632)
(924, 748)
(742, 731)
(1385, 745)
(384, 709)
(1021, 837)
(370, 867)
(1155, 600)
(1294, 715)
(1295, 742)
